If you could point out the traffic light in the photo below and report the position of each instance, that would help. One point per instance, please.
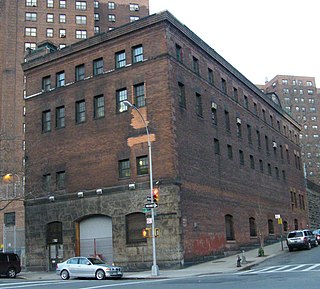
(146, 233)
(156, 232)
(155, 195)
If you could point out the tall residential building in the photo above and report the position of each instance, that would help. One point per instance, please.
(226, 156)
(23, 25)
(299, 96)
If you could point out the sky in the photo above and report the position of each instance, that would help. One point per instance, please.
(261, 39)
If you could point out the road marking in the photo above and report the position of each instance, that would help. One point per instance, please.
(311, 267)
(284, 269)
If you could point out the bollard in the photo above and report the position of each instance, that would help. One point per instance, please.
(243, 257)
(238, 261)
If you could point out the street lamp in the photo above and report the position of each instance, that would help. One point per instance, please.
(8, 177)
(155, 268)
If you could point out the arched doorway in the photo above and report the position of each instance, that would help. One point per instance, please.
(95, 237)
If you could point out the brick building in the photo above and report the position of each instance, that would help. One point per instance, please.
(227, 155)
(24, 24)
(299, 96)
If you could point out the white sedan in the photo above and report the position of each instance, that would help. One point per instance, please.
(87, 267)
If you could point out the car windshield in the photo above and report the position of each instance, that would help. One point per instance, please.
(295, 234)
(95, 261)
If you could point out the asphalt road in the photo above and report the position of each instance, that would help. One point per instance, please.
(291, 270)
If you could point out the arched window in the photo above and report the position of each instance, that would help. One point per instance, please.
(229, 227)
(54, 233)
(296, 224)
(270, 227)
(253, 227)
(135, 223)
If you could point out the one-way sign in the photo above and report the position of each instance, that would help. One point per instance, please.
(151, 205)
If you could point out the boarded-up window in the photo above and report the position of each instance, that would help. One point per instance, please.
(54, 233)
(135, 223)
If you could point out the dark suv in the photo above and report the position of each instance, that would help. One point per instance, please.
(9, 264)
(301, 239)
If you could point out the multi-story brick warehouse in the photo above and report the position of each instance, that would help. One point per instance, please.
(226, 154)
(300, 98)
(24, 24)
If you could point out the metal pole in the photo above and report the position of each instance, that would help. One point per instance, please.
(155, 268)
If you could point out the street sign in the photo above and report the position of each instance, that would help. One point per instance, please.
(151, 205)
(148, 198)
(277, 216)
(149, 221)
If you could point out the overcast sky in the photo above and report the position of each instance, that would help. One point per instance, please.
(259, 38)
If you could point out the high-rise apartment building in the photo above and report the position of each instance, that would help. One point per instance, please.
(299, 96)
(23, 25)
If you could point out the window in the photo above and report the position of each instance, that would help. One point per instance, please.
(210, 75)
(310, 91)
(46, 182)
(264, 115)
(258, 138)
(10, 219)
(134, 18)
(81, 19)
(50, 18)
(261, 166)
(135, 223)
(120, 59)
(80, 72)
(112, 18)
(31, 3)
(269, 170)
(137, 54)
(277, 173)
(60, 180)
(239, 129)
(230, 153)
(229, 227)
(267, 144)
(124, 169)
(249, 134)
(227, 120)
(122, 95)
(99, 106)
(270, 227)
(30, 45)
(96, 16)
(62, 33)
(195, 65)
(60, 117)
(81, 34)
(179, 54)
(245, 102)
(241, 157)
(30, 16)
(96, 29)
(235, 94)
(96, 4)
(46, 83)
(139, 96)
(142, 165)
(284, 175)
(251, 162)
(285, 81)
(81, 5)
(30, 31)
(60, 79)
(80, 111)
(181, 95)
(98, 66)
(46, 121)
(49, 32)
(49, 3)
(216, 146)
(214, 112)
(134, 7)
(253, 227)
(223, 85)
(62, 4)
(198, 104)
(111, 5)
(62, 18)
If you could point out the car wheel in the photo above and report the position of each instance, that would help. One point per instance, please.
(100, 275)
(290, 249)
(309, 246)
(64, 275)
(12, 273)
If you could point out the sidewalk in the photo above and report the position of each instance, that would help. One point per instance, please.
(222, 265)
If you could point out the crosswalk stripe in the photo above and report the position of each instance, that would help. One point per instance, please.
(284, 268)
(295, 268)
(312, 267)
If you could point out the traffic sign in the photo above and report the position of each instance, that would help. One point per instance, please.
(148, 198)
(151, 205)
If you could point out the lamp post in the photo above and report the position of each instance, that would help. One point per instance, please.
(155, 268)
